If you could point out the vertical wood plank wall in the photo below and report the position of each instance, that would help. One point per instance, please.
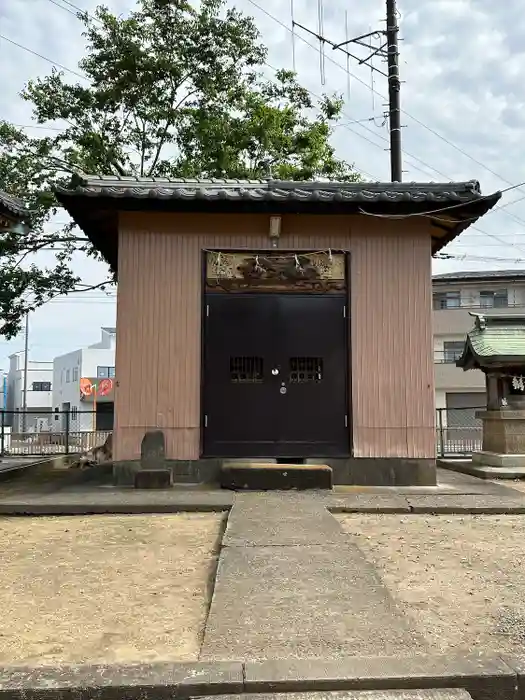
(158, 358)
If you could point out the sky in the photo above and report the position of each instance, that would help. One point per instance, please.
(462, 65)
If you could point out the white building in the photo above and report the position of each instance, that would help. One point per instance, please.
(93, 362)
(38, 395)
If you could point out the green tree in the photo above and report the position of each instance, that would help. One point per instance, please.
(170, 91)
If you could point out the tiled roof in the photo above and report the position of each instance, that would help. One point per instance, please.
(93, 202)
(12, 205)
(275, 190)
(479, 275)
(494, 339)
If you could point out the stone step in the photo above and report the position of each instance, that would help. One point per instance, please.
(266, 476)
(428, 694)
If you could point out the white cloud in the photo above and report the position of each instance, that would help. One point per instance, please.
(462, 63)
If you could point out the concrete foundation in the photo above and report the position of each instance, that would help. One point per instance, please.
(495, 459)
(352, 471)
(382, 471)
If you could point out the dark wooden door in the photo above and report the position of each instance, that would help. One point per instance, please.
(275, 376)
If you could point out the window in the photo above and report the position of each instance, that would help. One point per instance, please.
(105, 372)
(41, 386)
(305, 370)
(74, 413)
(67, 376)
(494, 300)
(446, 300)
(246, 370)
(452, 351)
(75, 374)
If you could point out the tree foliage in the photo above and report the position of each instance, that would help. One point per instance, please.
(170, 91)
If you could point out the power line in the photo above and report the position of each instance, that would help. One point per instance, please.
(44, 58)
(63, 8)
(357, 122)
(411, 116)
(364, 172)
(387, 49)
(362, 126)
(36, 126)
(79, 9)
(346, 70)
(310, 92)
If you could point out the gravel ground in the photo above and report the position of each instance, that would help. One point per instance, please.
(460, 578)
(112, 589)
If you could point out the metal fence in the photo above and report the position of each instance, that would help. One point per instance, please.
(458, 432)
(52, 432)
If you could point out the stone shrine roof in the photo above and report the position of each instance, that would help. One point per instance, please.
(494, 340)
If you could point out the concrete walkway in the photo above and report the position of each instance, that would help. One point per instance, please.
(291, 584)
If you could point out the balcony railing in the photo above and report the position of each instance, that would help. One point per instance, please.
(465, 304)
(443, 357)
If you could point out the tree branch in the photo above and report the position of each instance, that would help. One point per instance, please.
(169, 122)
(90, 287)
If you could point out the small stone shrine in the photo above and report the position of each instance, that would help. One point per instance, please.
(496, 346)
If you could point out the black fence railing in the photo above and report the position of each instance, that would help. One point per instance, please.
(458, 432)
(35, 432)
(447, 357)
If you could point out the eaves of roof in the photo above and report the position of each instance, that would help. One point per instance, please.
(12, 206)
(93, 201)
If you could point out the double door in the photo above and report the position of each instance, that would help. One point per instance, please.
(275, 376)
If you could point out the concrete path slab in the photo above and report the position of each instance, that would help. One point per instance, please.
(159, 681)
(431, 694)
(368, 503)
(488, 504)
(110, 501)
(484, 676)
(293, 585)
(281, 519)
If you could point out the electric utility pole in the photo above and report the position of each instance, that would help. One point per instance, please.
(24, 390)
(394, 90)
(387, 49)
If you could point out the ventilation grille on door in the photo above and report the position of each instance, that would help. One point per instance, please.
(304, 370)
(246, 370)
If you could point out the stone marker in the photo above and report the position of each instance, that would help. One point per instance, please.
(153, 473)
(153, 450)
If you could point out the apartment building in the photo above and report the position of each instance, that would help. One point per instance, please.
(94, 363)
(38, 388)
(454, 296)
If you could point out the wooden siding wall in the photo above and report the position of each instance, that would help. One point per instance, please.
(159, 322)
